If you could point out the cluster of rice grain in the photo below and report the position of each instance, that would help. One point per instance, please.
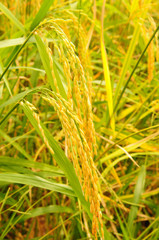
(75, 112)
(80, 153)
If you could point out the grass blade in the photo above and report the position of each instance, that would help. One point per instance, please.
(45, 60)
(17, 51)
(35, 181)
(127, 61)
(5, 79)
(107, 74)
(48, 68)
(136, 200)
(129, 148)
(9, 161)
(20, 96)
(16, 145)
(42, 13)
(136, 65)
(45, 210)
(126, 237)
(8, 13)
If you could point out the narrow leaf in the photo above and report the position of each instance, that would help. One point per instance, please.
(45, 210)
(8, 13)
(136, 200)
(9, 161)
(5, 79)
(106, 72)
(108, 85)
(48, 68)
(35, 181)
(42, 13)
(16, 145)
(45, 60)
(20, 96)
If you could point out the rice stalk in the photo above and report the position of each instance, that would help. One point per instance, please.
(80, 154)
(75, 112)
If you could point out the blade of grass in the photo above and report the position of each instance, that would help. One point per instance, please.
(90, 33)
(8, 13)
(45, 60)
(133, 134)
(5, 79)
(135, 67)
(16, 145)
(59, 81)
(35, 181)
(8, 161)
(148, 228)
(106, 72)
(108, 84)
(129, 147)
(46, 63)
(45, 210)
(4, 200)
(134, 6)
(127, 61)
(126, 237)
(151, 235)
(11, 219)
(9, 201)
(15, 54)
(136, 199)
(41, 13)
(20, 96)
(11, 42)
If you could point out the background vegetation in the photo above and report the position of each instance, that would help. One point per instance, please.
(79, 122)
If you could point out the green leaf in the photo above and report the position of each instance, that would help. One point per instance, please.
(35, 181)
(12, 42)
(126, 237)
(108, 85)
(136, 200)
(45, 210)
(45, 60)
(15, 53)
(42, 13)
(127, 60)
(5, 79)
(59, 81)
(145, 232)
(20, 96)
(46, 63)
(10, 161)
(16, 145)
(9, 201)
(8, 13)
(18, 41)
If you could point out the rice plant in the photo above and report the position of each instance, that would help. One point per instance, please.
(79, 123)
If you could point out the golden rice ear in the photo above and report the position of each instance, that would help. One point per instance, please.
(80, 153)
(75, 113)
